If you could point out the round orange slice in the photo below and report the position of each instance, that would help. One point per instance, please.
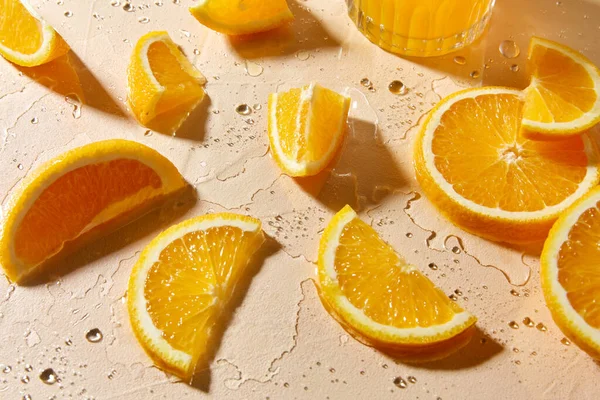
(25, 38)
(563, 98)
(378, 297)
(182, 282)
(242, 17)
(476, 168)
(570, 272)
(163, 86)
(306, 128)
(77, 196)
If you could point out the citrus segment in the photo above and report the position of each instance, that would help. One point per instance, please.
(242, 17)
(163, 86)
(25, 38)
(483, 175)
(570, 272)
(181, 283)
(564, 95)
(372, 290)
(306, 127)
(78, 193)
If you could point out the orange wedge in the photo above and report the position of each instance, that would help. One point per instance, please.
(163, 86)
(378, 297)
(25, 38)
(570, 273)
(80, 195)
(306, 127)
(563, 98)
(242, 17)
(182, 281)
(477, 169)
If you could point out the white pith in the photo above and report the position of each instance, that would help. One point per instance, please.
(359, 317)
(588, 116)
(551, 251)
(150, 256)
(584, 186)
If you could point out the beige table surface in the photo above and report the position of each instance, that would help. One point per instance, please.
(280, 342)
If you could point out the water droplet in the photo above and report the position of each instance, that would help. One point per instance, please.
(528, 322)
(112, 374)
(513, 325)
(34, 120)
(25, 379)
(196, 52)
(250, 121)
(456, 250)
(253, 69)
(7, 369)
(26, 397)
(458, 292)
(74, 100)
(365, 82)
(94, 335)
(518, 362)
(243, 109)
(514, 292)
(332, 370)
(514, 68)
(460, 60)
(541, 327)
(143, 20)
(20, 166)
(433, 266)
(565, 341)
(302, 55)
(285, 384)
(148, 133)
(401, 383)
(534, 353)
(384, 366)
(475, 74)
(68, 342)
(409, 235)
(128, 7)
(397, 87)
(509, 49)
(412, 379)
(48, 376)
(515, 350)
(279, 218)
(28, 367)
(115, 3)
(68, 14)
(158, 3)
(453, 297)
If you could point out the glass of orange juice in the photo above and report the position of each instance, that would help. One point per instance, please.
(422, 28)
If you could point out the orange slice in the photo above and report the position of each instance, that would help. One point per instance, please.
(79, 195)
(477, 169)
(242, 17)
(163, 86)
(563, 98)
(306, 127)
(374, 292)
(570, 270)
(181, 283)
(25, 38)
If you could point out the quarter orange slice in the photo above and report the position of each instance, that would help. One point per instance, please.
(570, 270)
(563, 98)
(181, 283)
(242, 17)
(378, 296)
(306, 127)
(163, 86)
(25, 38)
(480, 173)
(79, 195)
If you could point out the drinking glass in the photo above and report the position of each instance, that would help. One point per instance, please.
(422, 28)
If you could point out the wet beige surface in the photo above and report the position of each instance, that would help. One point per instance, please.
(280, 342)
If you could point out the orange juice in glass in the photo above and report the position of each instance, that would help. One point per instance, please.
(422, 28)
